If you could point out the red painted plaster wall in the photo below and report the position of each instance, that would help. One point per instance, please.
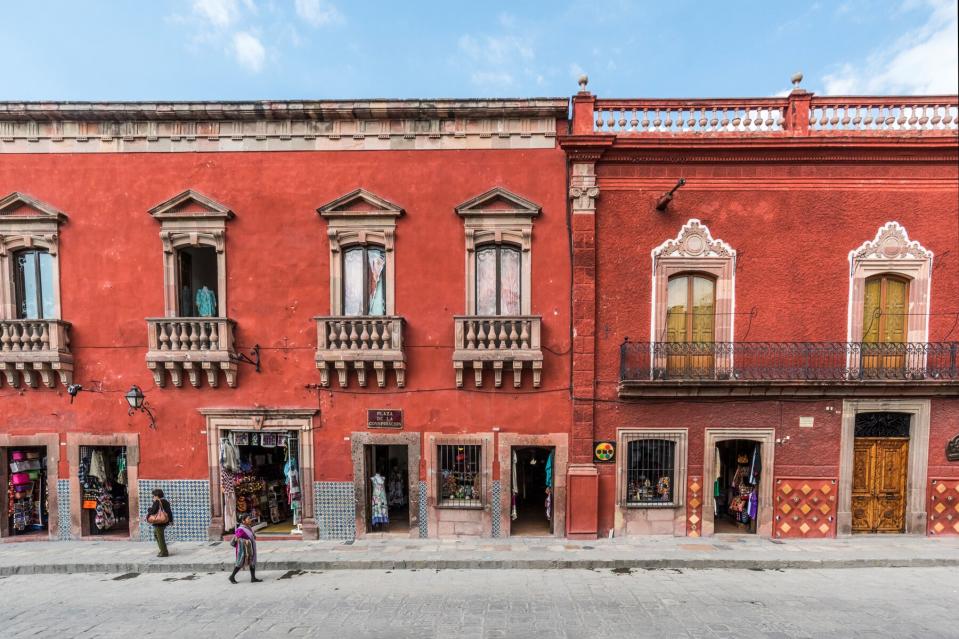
(278, 279)
(793, 226)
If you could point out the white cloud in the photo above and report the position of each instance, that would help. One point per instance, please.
(494, 79)
(318, 12)
(219, 13)
(495, 50)
(924, 60)
(249, 51)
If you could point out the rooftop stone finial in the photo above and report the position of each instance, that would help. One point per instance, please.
(796, 79)
(583, 81)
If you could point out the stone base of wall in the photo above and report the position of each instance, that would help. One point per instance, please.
(335, 508)
(805, 507)
(943, 507)
(190, 501)
(496, 502)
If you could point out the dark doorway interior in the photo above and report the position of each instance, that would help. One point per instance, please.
(391, 462)
(196, 272)
(104, 490)
(736, 491)
(532, 487)
(24, 498)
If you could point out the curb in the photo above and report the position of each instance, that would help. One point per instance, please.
(494, 564)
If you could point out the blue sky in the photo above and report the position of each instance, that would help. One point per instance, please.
(333, 49)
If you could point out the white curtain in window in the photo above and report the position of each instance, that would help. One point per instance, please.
(377, 284)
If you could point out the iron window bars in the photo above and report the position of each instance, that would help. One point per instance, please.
(650, 477)
(789, 361)
(461, 478)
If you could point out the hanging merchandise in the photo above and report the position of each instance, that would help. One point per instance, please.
(103, 477)
(98, 469)
(122, 469)
(515, 492)
(260, 478)
(105, 519)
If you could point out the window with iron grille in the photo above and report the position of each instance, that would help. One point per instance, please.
(460, 476)
(654, 469)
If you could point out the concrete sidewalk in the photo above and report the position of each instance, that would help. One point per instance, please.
(744, 552)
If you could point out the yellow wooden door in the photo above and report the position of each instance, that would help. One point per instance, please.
(879, 484)
(690, 326)
(885, 310)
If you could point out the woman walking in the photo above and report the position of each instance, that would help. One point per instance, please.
(160, 515)
(244, 540)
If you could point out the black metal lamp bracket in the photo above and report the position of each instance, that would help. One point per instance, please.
(253, 358)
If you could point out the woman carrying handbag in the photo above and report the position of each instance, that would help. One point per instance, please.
(160, 515)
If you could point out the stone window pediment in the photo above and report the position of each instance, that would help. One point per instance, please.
(694, 252)
(891, 253)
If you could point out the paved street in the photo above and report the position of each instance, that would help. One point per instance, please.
(346, 604)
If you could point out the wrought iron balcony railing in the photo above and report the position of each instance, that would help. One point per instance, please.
(789, 362)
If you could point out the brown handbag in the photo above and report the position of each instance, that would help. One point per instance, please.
(160, 518)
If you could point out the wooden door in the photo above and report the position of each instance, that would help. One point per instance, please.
(884, 325)
(879, 484)
(690, 326)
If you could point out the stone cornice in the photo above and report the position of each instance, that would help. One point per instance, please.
(285, 110)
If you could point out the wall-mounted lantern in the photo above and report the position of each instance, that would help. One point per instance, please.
(137, 401)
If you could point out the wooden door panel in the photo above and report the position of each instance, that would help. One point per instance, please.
(879, 485)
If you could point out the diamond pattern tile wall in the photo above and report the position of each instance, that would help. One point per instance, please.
(63, 508)
(805, 507)
(190, 500)
(694, 507)
(496, 503)
(335, 508)
(424, 513)
(943, 507)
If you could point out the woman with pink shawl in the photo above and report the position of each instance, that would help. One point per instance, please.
(244, 541)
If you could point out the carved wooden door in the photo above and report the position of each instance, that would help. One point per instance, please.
(879, 484)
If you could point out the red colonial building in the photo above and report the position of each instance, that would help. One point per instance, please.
(339, 317)
(766, 319)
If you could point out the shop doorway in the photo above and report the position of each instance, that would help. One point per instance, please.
(531, 494)
(879, 471)
(25, 498)
(736, 486)
(261, 478)
(386, 471)
(105, 496)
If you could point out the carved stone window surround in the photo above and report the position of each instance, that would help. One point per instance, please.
(194, 345)
(892, 252)
(694, 251)
(360, 218)
(31, 350)
(498, 216)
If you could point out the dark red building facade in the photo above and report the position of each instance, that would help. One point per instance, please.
(770, 347)
(306, 294)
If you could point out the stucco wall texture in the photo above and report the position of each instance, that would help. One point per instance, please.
(792, 225)
(277, 256)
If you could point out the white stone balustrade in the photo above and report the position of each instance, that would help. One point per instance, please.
(486, 341)
(35, 350)
(191, 344)
(360, 343)
(683, 117)
(853, 115)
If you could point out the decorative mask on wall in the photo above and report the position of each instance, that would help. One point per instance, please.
(952, 449)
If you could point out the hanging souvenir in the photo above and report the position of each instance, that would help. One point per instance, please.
(268, 440)
(241, 439)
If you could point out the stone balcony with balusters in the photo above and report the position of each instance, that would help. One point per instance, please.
(34, 351)
(488, 342)
(196, 346)
(361, 344)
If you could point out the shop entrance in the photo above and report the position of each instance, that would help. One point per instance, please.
(260, 477)
(531, 507)
(736, 487)
(24, 499)
(104, 498)
(880, 462)
(386, 471)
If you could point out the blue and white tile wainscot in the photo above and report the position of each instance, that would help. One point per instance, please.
(190, 501)
(335, 508)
